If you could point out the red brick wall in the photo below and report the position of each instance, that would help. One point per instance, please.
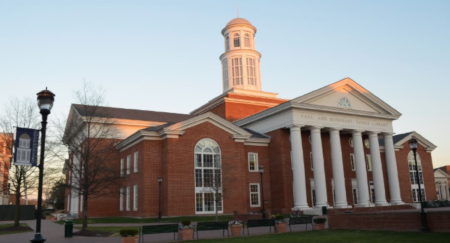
(392, 221)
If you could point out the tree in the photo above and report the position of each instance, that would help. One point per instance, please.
(89, 136)
(57, 194)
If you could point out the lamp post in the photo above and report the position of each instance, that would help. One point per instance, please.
(261, 171)
(159, 213)
(423, 214)
(45, 103)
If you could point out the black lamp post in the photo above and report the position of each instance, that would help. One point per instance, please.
(423, 214)
(159, 213)
(261, 171)
(45, 103)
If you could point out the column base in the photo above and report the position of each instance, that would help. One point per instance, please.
(367, 205)
(302, 207)
(397, 203)
(343, 206)
(383, 204)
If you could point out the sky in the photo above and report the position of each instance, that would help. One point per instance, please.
(164, 55)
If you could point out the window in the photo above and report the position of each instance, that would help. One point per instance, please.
(135, 197)
(350, 141)
(367, 143)
(413, 176)
(121, 167)
(355, 195)
(253, 162)
(369, 162)
(254, 195)
(121, 199)
(251, 71)
(225, 73)
(135, 165)
(128, 164)
(237, 70)
(345, 103)
(236, 41)
(313, 196)
(208, 176)
(128, 199)
(415, 195)
(372, 191)
(311, 160)
(352, 162)
(247, 40)
(227, 43)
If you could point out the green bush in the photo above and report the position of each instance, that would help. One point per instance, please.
(128, 232)
(186, 222)
(320, 220)
(279, 217)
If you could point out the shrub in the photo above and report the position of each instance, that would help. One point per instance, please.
(320, 220)
(279, 217)
(186, 222)
(128, 232)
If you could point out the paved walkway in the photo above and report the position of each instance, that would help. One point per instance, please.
(55, 233)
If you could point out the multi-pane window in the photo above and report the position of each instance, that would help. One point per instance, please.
(247, 40)
(355, 196)
(415, 195)
(313, 195)
(227, 43)
(254, 195)
(236, 40)
(128, 164)
(369, 162)
(412, 168)
(136, 159)
(251, 71)
(121, 200)
(236, 64)
(372, 191)
(128, 199)
(121, 167)
(225, 72)
(311, 159)
(253, 162)
(135, 197)
(352, 162)
(208, 176)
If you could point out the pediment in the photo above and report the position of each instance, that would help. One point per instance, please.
(440, 174)
(348, 96)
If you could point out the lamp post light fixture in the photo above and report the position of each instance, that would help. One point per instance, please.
(423, 214)
(261, 171)
(159, 212)
(45, 103)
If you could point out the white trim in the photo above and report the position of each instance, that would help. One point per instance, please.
(368, 162)
(352, 162)
(128, 198)
(256, 162)
(136, 160)
(121, 200)
(429, 146)
(128, 164)
(135, 198)
(258, 193)
(121, 167)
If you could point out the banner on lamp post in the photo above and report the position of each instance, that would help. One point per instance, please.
(26, 147)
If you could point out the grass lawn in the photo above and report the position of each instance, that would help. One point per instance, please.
(4, 226)
(323, 236)
(125, 220)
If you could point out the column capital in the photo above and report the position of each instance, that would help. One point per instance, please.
(315, 128)
(357, 131)
(373, 133)
(387, 134)
(295, 127)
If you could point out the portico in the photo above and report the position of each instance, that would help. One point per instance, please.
(357, 112)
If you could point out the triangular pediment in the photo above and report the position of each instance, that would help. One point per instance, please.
(348, 96)
(440, 174)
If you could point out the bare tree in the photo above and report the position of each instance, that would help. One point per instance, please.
(219, 185)
(89, 136)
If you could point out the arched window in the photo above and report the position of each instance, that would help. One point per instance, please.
(247, 40)
(237, 41)
(345, 103)
(413, 176)
(227, 43)
(208, 177)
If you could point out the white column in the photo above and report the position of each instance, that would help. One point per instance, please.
(391, 166)
(319, 168)
(338, 170)
(377, 170)
(298, 167)
(361, 172)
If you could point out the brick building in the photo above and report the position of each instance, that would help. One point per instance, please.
(333, 147)
(5, 164)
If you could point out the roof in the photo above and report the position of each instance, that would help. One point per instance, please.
(256, 134)
(157, 128)
(238, 21)
(132, 114)
(395, 138)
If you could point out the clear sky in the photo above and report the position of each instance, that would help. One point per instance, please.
(164, 55)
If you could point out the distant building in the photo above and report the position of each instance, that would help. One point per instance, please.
(442, 180)
(334, 147)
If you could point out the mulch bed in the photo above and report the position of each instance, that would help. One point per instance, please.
(13, 229)
(90, 233)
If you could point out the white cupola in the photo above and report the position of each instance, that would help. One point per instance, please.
(240, 61)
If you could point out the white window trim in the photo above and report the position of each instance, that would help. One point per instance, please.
(256, 162)
(259, 194)
(128, 199)
(135, 197)
(352, 165)
(121, 200)
(121, 167)
(136, 160)
(128, 164)
(368, 162)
